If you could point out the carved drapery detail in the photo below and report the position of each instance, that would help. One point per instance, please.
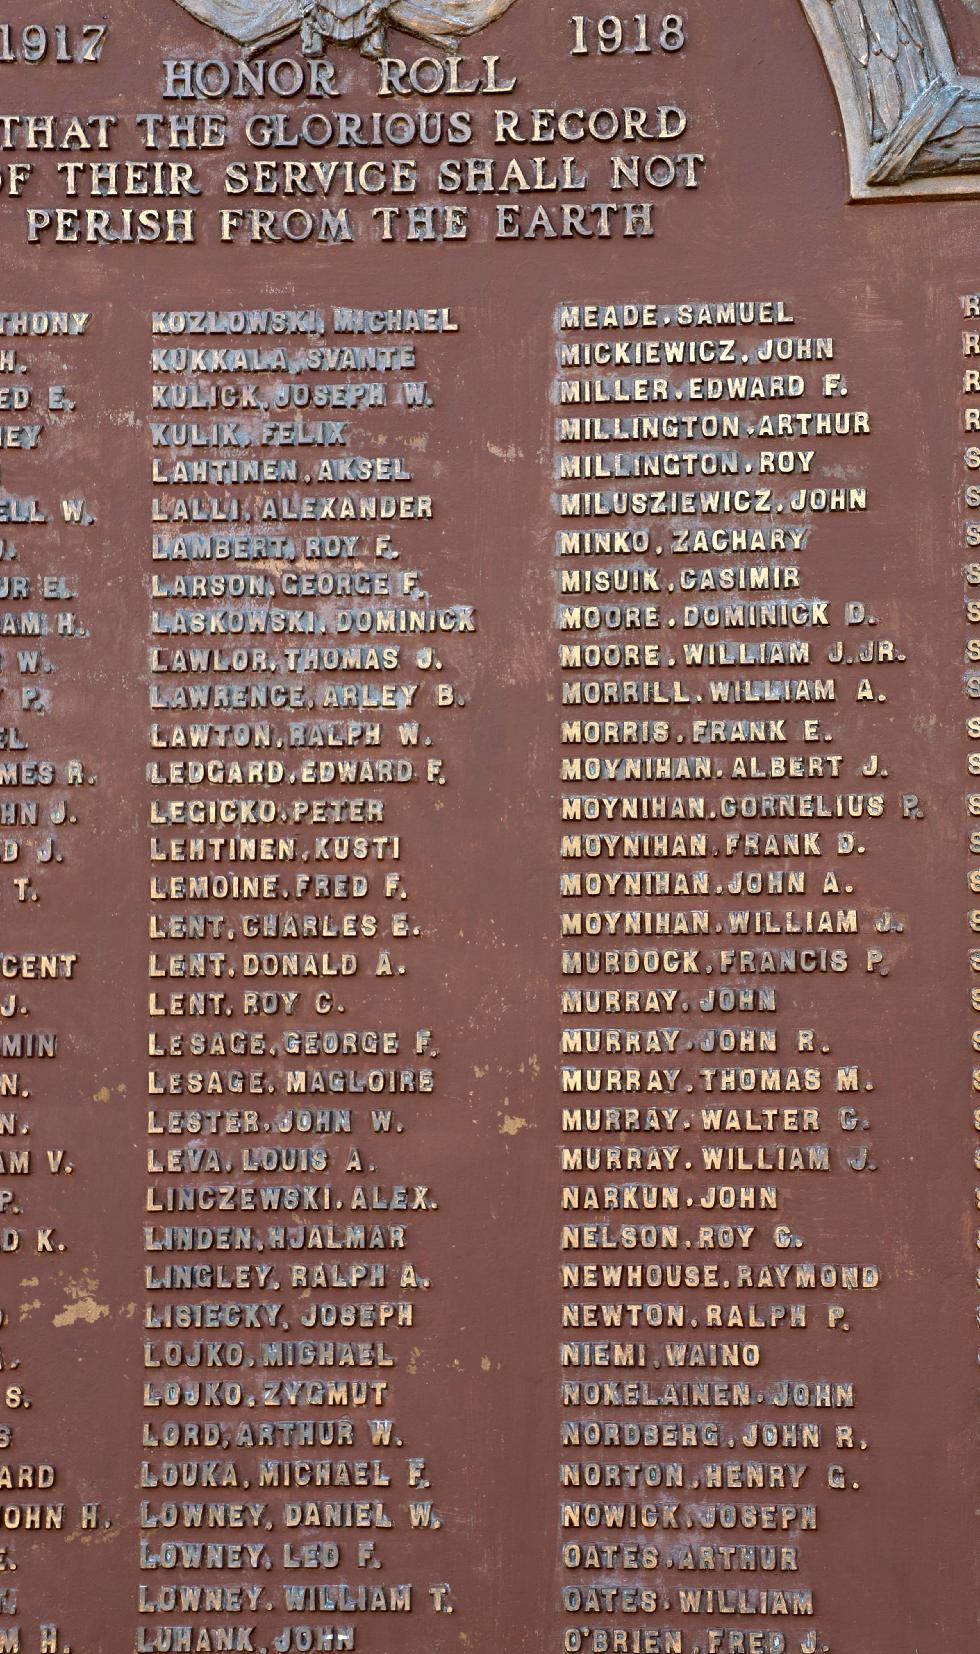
(256, 24)
(912, 120)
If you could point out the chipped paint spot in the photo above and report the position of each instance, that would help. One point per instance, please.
(97, 1536)
(103, 1096)
(82, 1306)
(509, 454)
(84, 1309)
(513, 1123)
(485, 1363)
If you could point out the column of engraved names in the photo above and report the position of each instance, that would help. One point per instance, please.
(47, 538)
(718, 794)
(970, 540)
(297, 662)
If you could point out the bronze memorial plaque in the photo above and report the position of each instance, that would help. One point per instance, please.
(489, 827)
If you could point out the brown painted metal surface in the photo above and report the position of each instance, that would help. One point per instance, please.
(406, 1130)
